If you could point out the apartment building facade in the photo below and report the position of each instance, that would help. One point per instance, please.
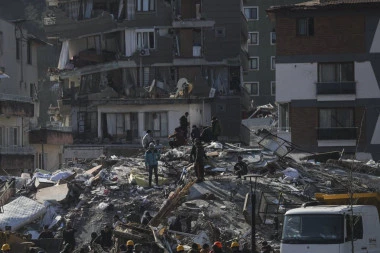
(328, 75)
(18, 101)
(131, 65)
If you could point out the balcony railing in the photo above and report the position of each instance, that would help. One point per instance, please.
(17, 150)
(337, 133)
(335, 88)
(12, 97)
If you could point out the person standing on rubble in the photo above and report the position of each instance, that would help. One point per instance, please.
(69, 237)
(195, 133)
(217, 247)
(152, 155)
(216, 129)
(235, 247)
(205, 248)
(46, 233)
(130, 246)
(198, 155)
(194, 248)
(106, 235)
(240, 168)
(178, 138)
(184, 123)
(147, 139)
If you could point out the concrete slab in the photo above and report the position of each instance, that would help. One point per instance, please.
(57, 193)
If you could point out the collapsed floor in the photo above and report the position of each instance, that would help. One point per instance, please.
(91, 193)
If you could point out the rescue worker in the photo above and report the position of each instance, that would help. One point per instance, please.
(178, 137)
(194, 248)
(106, 237)
(195, 133)
(180, 249)
(147, 139)
(198, 155)
(216, 129)
(235, 247)
(151, 162)
(241, 168)
(184, 123)
(69, 237)
(130, 245)
(6, 248)
(206, 135)
(46, 233)
(217, 247)
(205, 248)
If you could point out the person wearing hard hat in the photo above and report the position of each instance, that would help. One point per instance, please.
(130, 245)
(217, 247)
(6, 248)
(194, 248)
(235, 247)
(180, 249)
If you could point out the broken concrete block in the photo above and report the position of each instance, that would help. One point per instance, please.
(58, 193)
(94, 171)
(43, 183)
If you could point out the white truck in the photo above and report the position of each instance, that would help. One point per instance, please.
(339, 228)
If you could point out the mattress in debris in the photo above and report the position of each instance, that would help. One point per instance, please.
(20, 212)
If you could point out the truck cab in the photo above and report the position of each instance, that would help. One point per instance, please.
(332, 229)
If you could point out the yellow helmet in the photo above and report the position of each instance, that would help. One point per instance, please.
(234, 244)
(6, 247)
(130, 243)
(180, 248)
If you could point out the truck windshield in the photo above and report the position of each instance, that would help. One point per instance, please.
(313, 229)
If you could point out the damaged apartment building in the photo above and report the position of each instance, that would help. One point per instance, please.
(131, 65)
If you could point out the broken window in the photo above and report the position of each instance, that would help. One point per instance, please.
(145, 5)
(87, 122)
(90, 83)
(336, 72)
(145, 39)
(157, 122)
(122, 125)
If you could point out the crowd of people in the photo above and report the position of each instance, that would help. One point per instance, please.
(217, 247)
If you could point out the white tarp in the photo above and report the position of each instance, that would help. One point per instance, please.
(20, 212)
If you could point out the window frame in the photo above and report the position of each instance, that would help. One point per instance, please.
(334, 117)
(271, 38)
(140, 3)
(250, 91)
(338, 75)
(258, 63)
(273, 84)
(257, 39)
(310, 27)
(273, 62)
(251, 7)
(140, 36)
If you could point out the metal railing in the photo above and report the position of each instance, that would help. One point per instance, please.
(335, 88)
(337, 133)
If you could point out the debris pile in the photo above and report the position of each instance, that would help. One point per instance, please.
(108, 201)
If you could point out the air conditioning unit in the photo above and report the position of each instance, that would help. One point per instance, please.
(144, 52)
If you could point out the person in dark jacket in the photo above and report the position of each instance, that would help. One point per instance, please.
(216, 129)
(106, 235)
(69, 237)
(195, 133)
(194, 248)
(241, 168)
(178, 138)
(198, 155)
(46, 233)
(206, 135)
(184, 123)
(146, 218)
(152, 155)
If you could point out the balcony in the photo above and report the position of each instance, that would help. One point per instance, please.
(16, 108)
(51, 135)
(334, 88)
(337, 133)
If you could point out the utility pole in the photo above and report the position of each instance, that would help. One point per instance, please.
(253, 211)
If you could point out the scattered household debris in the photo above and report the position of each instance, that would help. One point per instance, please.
(91, 195)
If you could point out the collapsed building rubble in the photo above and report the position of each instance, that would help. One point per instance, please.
(92, 194)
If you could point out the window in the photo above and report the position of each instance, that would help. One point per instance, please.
(253, 38)
(336, 72)
(305, 26)
(273, 88)
(29, 52)
(13, 136)
(145, 5)
(336, 118)
(145, 39)
(254, 63)
(272, 62)
(273, 38)
(355, 225)
(252, 88)
(251, 13)
(121, 125)
(18, 49)
(157, 122)
(87, 122)
(220, 32)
